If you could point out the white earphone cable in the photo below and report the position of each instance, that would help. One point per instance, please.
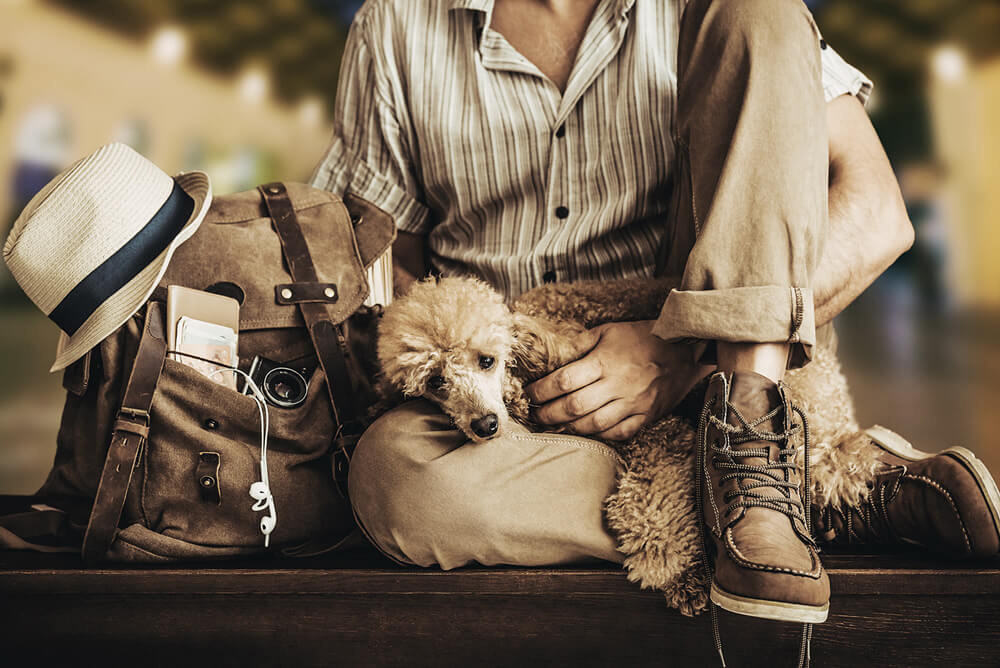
(260, 491)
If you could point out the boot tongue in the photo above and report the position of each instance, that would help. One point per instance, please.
(754, 395)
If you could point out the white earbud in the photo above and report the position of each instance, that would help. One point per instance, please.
(260, 491)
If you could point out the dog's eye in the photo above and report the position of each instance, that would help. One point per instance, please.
(486, 362)
(435, 382)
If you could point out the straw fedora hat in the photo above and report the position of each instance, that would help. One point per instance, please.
(91, 246)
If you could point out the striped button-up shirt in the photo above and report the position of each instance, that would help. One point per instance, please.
(442, 123)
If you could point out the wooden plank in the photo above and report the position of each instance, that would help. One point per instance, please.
(359, 609)
(870, 575)
(488, 630)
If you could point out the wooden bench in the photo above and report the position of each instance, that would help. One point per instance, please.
(359, 609)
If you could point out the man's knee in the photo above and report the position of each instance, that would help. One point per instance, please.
(773, 25)
(400, 499)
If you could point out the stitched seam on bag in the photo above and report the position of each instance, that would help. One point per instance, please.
(576, 441)
(944, 492)
(143, 454)
(310, 203)
(743, 561)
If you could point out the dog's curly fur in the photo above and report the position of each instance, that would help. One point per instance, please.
(444, 327)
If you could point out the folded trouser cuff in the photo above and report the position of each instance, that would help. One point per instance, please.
(765, 314)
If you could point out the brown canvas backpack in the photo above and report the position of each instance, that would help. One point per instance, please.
(155, 460)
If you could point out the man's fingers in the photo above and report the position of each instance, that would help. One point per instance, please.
(577, 404)
(565, 379)
(604, 418)
(624, 430)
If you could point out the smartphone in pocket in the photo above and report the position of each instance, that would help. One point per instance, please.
(202, 331)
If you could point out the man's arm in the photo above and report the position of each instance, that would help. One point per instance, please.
(631, 377)
(869, 227)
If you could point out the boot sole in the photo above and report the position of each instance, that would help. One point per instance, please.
(894, 443)
(776, 610)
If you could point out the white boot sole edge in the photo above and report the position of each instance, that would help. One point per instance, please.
(776, 610)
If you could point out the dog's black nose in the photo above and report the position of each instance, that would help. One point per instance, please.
(485, 426)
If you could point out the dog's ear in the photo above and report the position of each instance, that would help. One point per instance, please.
(528, 350)
(514, 398)
(542, 345)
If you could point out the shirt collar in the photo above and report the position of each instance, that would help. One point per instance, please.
(476, 5)
(487, 5)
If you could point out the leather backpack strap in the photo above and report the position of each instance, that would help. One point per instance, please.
(130, 432)
(328, 339)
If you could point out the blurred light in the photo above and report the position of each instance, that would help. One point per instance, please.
(169, 45)
(949, 63)
(45, 137)
(311, 112)
(254, 85)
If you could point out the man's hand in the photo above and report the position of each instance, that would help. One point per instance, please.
(628, 378)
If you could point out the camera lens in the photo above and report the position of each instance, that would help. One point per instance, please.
(285, 387)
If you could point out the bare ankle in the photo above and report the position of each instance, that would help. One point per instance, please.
(767, 359)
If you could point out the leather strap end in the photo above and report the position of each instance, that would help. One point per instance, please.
(306, 292)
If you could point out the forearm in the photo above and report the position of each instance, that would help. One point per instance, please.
(868, 226)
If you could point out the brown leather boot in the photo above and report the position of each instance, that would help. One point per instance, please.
(748, 492)
(947, 502)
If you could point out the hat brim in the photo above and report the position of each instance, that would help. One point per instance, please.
(118, 308)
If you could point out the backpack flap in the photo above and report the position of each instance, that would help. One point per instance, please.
(237, 252)
(373, 228)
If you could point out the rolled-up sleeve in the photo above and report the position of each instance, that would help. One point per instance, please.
(841, 78)
(369, 154)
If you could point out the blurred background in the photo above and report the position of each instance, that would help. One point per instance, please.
(244, 91)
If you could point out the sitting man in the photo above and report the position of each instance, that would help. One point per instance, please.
(530, 141)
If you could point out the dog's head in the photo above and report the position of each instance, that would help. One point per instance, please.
(450, 341)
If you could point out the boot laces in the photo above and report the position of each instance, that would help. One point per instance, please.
(753, 477)
(759, 476)
(867, 522)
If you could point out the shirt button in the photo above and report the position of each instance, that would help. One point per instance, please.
(822, 44)
(549, 276)
(561, 132)
(561, 212)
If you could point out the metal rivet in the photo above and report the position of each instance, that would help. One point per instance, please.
(207, 481)
(286, 294)
(274, 190)
(329, 293)
(211, 424)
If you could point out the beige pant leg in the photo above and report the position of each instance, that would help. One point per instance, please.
(426, 495)
(750, 216)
